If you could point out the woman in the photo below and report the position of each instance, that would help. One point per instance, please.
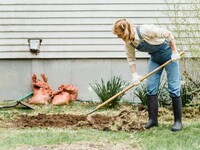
(159, 43)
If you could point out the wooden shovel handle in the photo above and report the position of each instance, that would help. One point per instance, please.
(132, 85)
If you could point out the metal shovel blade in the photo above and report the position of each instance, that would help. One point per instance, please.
(20, 102)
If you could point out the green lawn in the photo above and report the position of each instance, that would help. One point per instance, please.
(160, 138)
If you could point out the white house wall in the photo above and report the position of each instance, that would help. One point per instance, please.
(82, 26)
(77, 44)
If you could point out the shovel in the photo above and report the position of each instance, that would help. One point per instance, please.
(129, 87)
(27, 106)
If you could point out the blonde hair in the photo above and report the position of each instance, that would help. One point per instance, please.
(124, 28)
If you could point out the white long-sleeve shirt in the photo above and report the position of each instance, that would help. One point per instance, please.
(151, 34)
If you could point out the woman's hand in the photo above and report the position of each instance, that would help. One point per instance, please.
(175, 55)
(135, 78)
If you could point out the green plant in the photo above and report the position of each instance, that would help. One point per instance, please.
(163, 96)
(106, 90)
(141, 93)
(189, 89)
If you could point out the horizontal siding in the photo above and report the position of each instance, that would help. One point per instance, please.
(75, 7)
(73, 28)
(82, 21)
(71, 47)
(70, 41)
(85, 14)
(100, 2)
(67, 54)
(84, 7)
(58, 28)
(65, 35)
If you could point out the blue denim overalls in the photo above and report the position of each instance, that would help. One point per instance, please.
(159, 55)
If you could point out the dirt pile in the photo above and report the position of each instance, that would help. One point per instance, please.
(129, 121)
(126, 120)
(43, 120)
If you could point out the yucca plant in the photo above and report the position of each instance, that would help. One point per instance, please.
(141, 93)
(163, 96)
(106, 90)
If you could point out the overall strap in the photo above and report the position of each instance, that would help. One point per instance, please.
(138, 32)
(139, 35)
(132, 45)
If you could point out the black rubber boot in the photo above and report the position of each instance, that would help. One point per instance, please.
(177, 109)
(152, 103)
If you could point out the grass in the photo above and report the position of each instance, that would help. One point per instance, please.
(36, 137)
(160, 138)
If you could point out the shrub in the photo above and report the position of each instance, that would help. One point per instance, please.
(189, 89)
(106, 90)
(141, 93)
(163, 96)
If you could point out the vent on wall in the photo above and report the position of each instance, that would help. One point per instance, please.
(34, 45)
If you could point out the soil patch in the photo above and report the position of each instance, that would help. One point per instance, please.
(129, 119)
(126, 120)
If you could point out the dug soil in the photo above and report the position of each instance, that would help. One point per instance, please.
(129, 119)
(125, 120)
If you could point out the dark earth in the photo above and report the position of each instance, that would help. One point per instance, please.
(126, 120)
(129, 120)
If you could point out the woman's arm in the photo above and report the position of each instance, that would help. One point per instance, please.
(135, 76)
(172, 45)
(133, 68)
(130, 52)
(175, 55)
